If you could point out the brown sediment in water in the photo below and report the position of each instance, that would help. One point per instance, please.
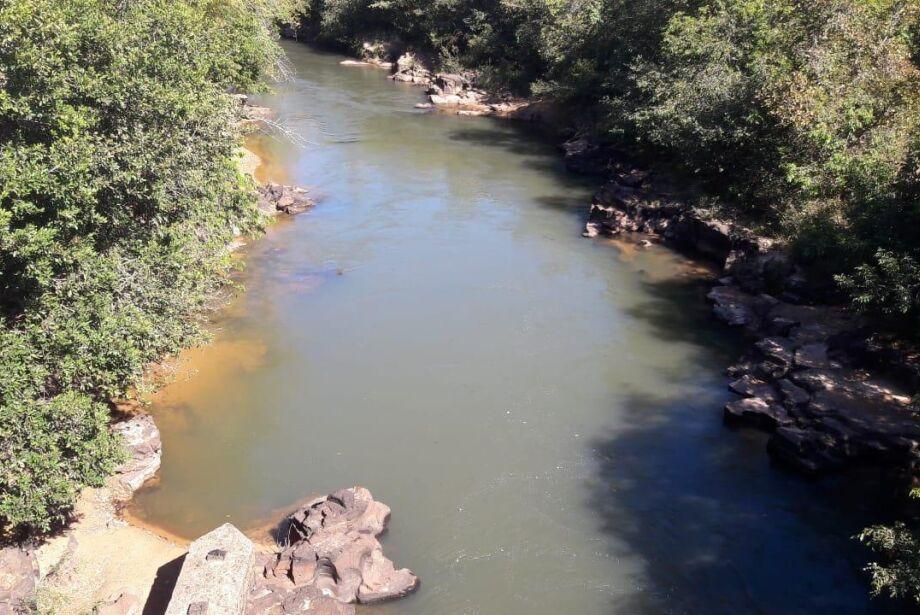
(662, 263)
(108, 549)
(270, 168)
(197, 370)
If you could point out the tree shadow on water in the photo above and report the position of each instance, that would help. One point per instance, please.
(714, 527)
(535, 146)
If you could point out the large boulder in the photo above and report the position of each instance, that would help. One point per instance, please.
(331, 545)
(412, 68)
(144, 448)
(449, 84)
(738, 308)
(19, 576)
(216, 575)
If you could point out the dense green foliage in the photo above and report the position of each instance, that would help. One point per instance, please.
(898, 575)
(804, 117)
(118, 195)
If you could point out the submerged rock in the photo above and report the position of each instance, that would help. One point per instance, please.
(331, 552)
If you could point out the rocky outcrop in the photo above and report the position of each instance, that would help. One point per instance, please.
(252, 114)
(19, 577)
(411, 68)
(276, 198)
(805, 378)
(331, 557)
(144, 447)
(588, 156)
(459, 94)
(380, 54)
(628, 204)
(799, 383)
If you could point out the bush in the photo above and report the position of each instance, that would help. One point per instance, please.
(898, 574)
(118, 195)
(48, 450)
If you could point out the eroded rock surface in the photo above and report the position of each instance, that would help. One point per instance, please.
(18, 579)
(331, 558)
(804, 380)
(216, 575)
(824, 411)
(144, 448)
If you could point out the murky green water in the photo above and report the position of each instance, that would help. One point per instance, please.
(541, 411)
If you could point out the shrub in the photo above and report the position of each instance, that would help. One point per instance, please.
(898, 574)
(118, 195)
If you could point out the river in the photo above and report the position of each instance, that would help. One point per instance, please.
(541, 411)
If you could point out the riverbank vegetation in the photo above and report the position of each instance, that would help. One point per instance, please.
(802, 118)
(119, 194)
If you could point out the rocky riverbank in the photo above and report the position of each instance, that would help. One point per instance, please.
(814, 376)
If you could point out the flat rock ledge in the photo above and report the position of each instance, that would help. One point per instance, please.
(216, 575)
(800, 383)
(330, 558)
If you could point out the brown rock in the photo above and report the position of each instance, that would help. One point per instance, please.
(18, 578)
(332, 548)
(144, 447)
(275, 198)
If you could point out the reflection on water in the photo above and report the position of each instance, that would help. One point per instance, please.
(542, 412)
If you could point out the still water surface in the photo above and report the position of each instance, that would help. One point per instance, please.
(541, 411)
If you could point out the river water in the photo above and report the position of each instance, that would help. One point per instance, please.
(541, 411)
